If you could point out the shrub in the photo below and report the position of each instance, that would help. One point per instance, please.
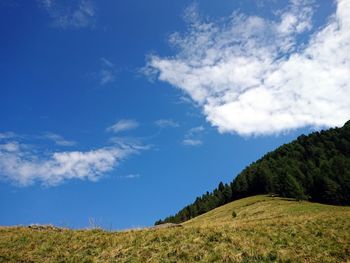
(234, 214)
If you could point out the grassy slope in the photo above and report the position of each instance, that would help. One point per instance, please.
(265, 230)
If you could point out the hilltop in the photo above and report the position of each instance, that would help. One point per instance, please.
(253, 229)
(315, 167)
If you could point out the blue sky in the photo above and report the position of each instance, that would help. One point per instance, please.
(124, 111)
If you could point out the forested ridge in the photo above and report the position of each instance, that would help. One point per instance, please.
(314, 167)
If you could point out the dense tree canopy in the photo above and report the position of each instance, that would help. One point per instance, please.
(314, 167)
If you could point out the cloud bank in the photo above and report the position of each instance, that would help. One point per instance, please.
(23, 165)
(254, 76)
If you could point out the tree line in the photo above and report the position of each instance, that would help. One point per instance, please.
(314, 167)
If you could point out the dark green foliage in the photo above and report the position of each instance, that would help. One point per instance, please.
(289, 187)
(314, 167)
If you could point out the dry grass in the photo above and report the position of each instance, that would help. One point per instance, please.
(265, 230)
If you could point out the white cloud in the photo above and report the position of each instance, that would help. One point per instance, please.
(163, 123)
(135, 142)
(184, 100)
(9, 146)
(76, 14)
(191, 142)
(191, 137)
(7, 135)
(251, 75)
(23, 166)
(123, 125)
(58, 139)
(195, 130)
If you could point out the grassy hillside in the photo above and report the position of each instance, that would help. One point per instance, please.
(265, 229)
(314, 167)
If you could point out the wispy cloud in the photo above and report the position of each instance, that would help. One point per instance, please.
(135, 142)
(123, 125)
(23, 166)
(195, 130)
(130, 176)
(71, 14)
(252, 75)
(184, 100)
(107, 73)
(7, 135)
(191, 142)
(192, 137)
(163, 123)
(58, 139)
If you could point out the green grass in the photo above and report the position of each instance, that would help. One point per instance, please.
(265, 229)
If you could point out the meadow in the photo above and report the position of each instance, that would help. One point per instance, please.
(253, 229)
